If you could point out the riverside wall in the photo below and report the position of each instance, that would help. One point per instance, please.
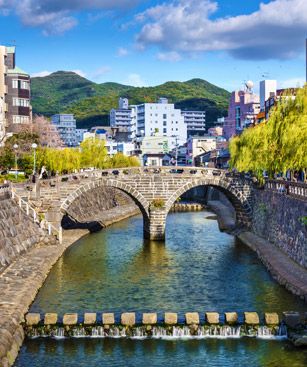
(28, 255)
(278, 219)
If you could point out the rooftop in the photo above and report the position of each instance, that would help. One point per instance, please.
(17, 70)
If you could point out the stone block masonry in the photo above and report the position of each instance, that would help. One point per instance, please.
(21, 279)
(17, 232)
(277, 218)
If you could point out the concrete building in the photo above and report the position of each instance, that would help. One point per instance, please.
(199, 145)
(15, 92)
(124, 117)
(80, 135)
(163, 119)
(154, 144)
(195, 121)
(66, 125)
(243, 109)
(215, 131)
(267, 90)
(127, 148)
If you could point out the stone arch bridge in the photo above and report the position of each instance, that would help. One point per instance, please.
(154, 190)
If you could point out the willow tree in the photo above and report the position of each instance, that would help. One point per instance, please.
(94, 153)
(277, 145)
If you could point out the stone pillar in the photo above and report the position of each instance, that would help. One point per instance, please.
(154, 227)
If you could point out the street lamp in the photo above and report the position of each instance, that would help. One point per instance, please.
(15, 146)
(34, 146)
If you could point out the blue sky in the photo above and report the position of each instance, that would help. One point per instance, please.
(148, 42)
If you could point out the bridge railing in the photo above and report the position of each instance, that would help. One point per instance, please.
(31, 212)
(296, 189)
(164, 170)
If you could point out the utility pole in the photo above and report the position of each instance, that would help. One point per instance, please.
(176, 148)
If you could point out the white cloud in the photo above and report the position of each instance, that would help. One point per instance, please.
(171, 56)
(79, 72)
(276, 30)
(135, 80)
(96, 74)
(292, 83)
(122, 52)
(41, 74)
(55, 16)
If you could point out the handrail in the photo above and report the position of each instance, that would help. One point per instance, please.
(44, 224)
(296, 189)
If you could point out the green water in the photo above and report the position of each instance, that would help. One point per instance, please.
(198, 268)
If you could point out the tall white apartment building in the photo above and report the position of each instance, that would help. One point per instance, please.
(267, 90)
(124, 117)
(195, 121)
(161, 119)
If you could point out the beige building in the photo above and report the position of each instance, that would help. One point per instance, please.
(199, 145)
(154, 144)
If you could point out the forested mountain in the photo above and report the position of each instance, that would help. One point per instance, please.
(65, 91)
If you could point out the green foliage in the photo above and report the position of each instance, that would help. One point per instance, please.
(92, 153)
(276, 145)
(158, 203)
(91, 102)
(303, 220)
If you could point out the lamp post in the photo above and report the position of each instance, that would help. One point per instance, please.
(15, 146)
(34, 146)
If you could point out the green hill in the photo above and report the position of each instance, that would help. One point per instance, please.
(90, 102)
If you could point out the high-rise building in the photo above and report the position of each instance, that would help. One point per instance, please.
(195, 121)
(66, 126)
(15, 92)
(267, 90)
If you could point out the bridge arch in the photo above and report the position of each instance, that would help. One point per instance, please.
(241, 203)
(134, 194)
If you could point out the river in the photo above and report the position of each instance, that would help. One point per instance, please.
(198, 268)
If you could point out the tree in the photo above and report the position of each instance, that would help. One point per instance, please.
(278, 144)
(94, 153)
(47, 132)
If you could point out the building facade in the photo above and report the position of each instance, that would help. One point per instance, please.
(267, 89)
(161, 119)
(124, 117)
(195, 121)
(66, 126)
(243, 109)
(199, 145)
(15, 91)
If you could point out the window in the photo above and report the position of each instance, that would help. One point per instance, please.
(17, 119)
(164, 116)
(164, 123)
(164, 131)
(21, 102)
(15, 83)
(24, 84)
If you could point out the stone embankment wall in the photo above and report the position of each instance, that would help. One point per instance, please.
(18, 233)
(27, 255)
(277, 218)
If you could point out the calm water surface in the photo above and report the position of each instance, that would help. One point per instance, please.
(198, 268)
